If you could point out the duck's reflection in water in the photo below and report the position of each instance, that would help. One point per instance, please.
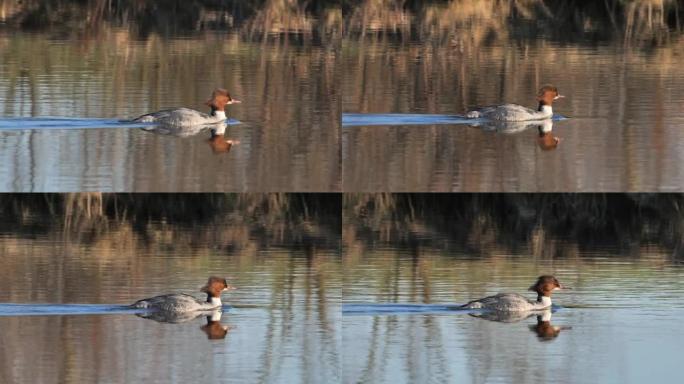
(218, 141)
(543, 328)
(214, 329)
(546, 140)
(217, 131)
(509, 127)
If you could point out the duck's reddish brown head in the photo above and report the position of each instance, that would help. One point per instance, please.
(545, 285)
(216, 285)
(219, 99)
(547, 94)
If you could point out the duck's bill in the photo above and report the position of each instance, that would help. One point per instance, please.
(559, 97)
(234, 101)
(230, 288)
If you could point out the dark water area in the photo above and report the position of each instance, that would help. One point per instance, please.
(411, 261)
(123, 63)
(296, 20)
(619, 71)
(69, 265)
(620, 221)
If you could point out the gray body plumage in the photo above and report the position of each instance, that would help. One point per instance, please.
(510, 112)
(507, 302)
(181, 117)
(175, 302)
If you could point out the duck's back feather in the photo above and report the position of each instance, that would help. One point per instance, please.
(178, 117)
(507, 112)
(506, 302)
(175, 302)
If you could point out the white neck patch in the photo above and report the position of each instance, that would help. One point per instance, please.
(546, 301)
(220, 114)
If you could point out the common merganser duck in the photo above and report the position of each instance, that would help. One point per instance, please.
(513, 112)
(186, 117)
(513, 302)
(180, 302)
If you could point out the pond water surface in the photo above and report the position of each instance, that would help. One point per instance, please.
(61, 292)
(288, 129)
(620, 323)
(624, 98)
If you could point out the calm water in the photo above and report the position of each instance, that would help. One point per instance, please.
(288, 129)
(621, 323)
(624, 98)
(282, 323)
